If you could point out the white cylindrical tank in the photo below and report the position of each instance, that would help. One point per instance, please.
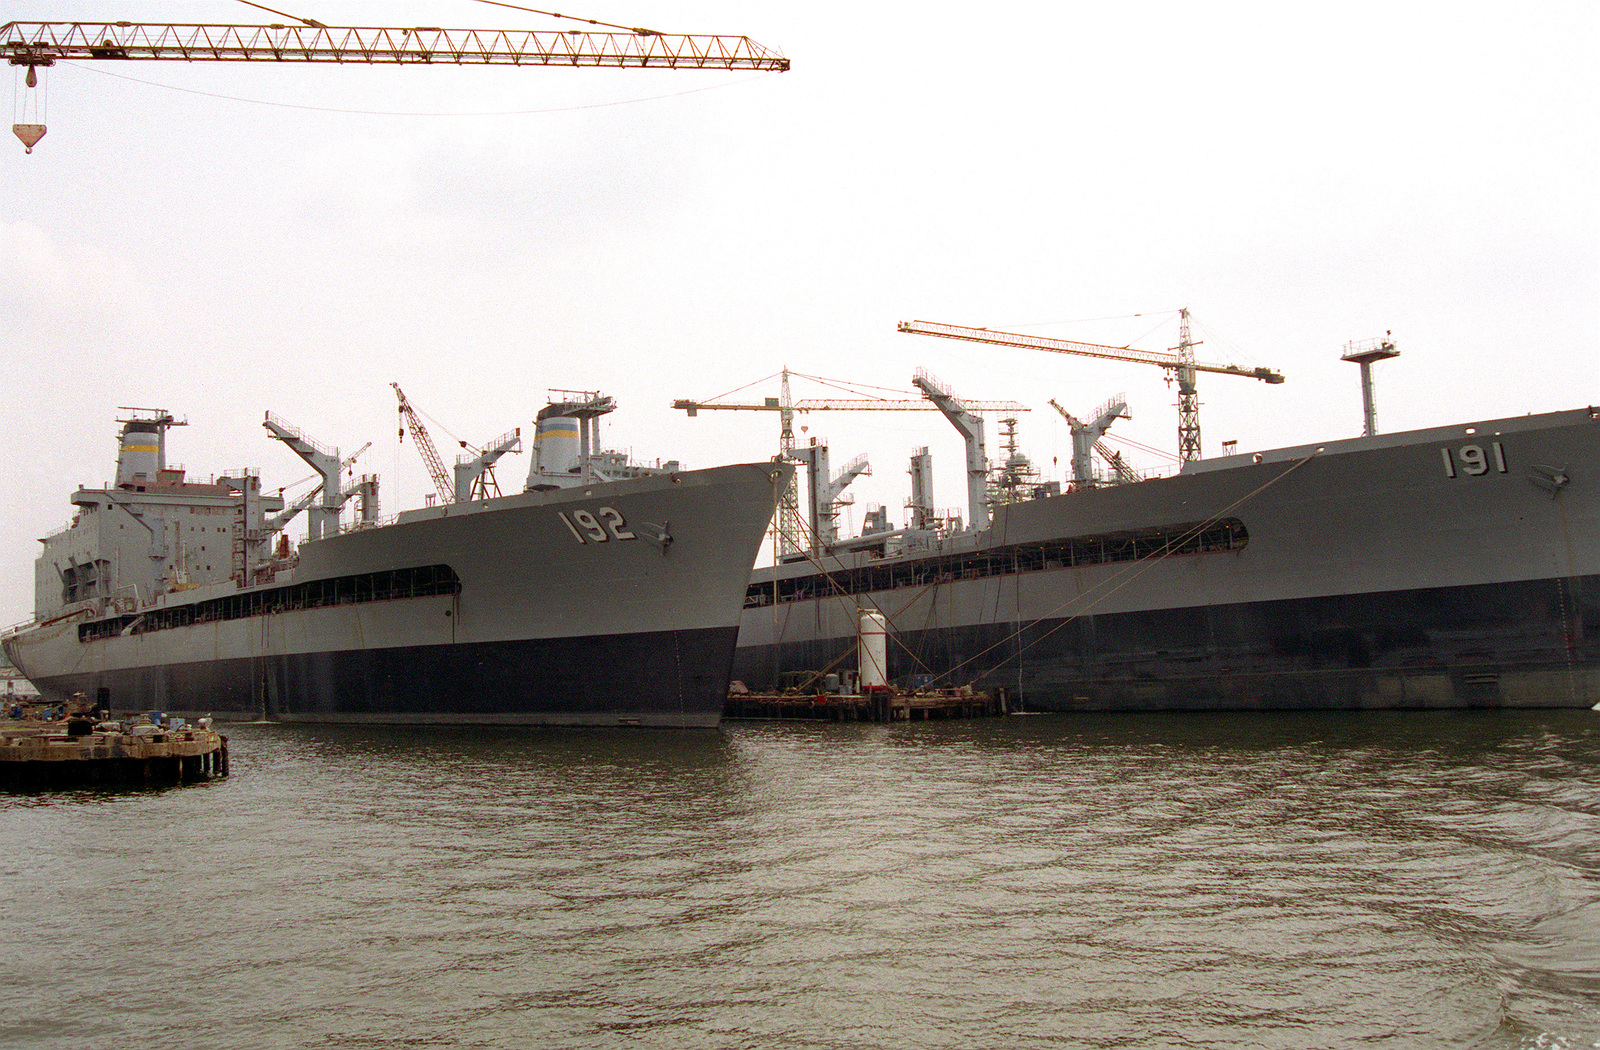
(873, 650)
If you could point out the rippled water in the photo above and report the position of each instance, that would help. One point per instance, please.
(1416, 879)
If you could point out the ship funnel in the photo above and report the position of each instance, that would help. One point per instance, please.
(566, 435)
(139, 459)
(555, 445)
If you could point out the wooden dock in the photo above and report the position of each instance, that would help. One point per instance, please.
(83, 752)
(876, 706)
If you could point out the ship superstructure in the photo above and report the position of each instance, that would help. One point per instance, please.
(151, 532)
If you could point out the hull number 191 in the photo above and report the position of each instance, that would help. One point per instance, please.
(1472, 459)
(596, 527)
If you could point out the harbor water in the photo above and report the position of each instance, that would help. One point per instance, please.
(1265, 881)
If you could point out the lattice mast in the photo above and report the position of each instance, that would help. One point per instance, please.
(1188, 398)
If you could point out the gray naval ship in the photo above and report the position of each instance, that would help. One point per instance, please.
(604, 593)
(1450, 567)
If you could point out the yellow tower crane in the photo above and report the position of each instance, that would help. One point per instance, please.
(790, 525)
(1182, 364)
(43, 44)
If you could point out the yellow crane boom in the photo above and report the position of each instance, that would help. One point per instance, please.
(35, 44)
(1172, 362)
(1182, 364)
(844, 405)
(45, 43)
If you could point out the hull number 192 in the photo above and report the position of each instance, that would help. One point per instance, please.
(1472, 459)
(598, 526)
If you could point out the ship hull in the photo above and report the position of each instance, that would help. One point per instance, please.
(565, 608)
(667, 678)
(1458, 567)
(1494, 645)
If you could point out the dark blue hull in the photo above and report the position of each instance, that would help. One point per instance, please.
(666, 678)
(1532, 643)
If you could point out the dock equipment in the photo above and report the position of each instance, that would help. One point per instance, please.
(82, 752)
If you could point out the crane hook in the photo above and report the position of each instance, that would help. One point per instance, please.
(30, 134)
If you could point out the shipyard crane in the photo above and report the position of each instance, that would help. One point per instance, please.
(1182, 364)
(847, 404)
(43, 44)
(789, 523)
(430, 455)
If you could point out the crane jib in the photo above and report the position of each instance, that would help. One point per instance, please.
(996, 337)
(43, 43)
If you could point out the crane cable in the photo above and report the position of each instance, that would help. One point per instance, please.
(27, 88)
(423, 113)
(570, 18)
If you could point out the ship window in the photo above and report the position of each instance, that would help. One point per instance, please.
(390, 585)
(1226, 534)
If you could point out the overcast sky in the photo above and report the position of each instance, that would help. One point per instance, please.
(223, 240)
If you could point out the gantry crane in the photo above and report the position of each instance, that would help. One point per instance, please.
(36, 44)
(789, 514)
(1182, 364)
